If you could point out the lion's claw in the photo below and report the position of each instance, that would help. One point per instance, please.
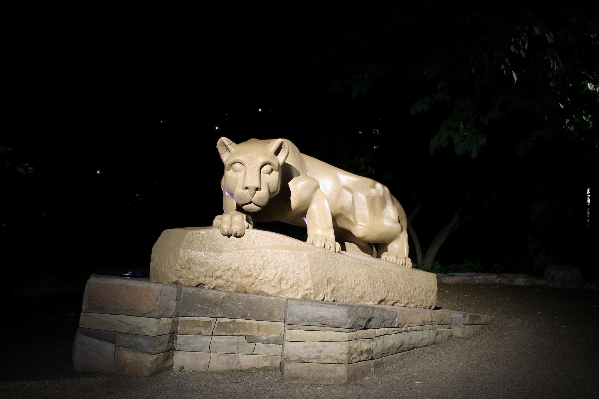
(324, 242)
(231, 224)
(397, 259)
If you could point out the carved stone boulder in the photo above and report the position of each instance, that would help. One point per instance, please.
(267, 263)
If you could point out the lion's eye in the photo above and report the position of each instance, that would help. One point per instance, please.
(237, 167)
(267, 169)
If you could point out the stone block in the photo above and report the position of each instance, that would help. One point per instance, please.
(198, 361)
(339, 315)
(268, 349)
(267, 263)
(231, 344)
(196, 325)
(247, 327)
(142, 343)
(317, 352)
(360, 350)
(134, 363)
(102, 335)
(223, 362)
(440, 317)
(471, 318)
(388, 331)
(464, 330)
(247, 362)
(563, 276)
(128, 324)
(133, 297)
(203, 302)
(191, 361)
(193, 343)
(442, 334)
(407, 317)
(325, 374)
(386, 345)
(318, 336)
(418, 339)
(268, 339)
(93, 355)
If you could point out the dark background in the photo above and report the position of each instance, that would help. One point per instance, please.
(109, 123)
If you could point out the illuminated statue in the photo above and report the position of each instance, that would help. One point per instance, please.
(270, 180)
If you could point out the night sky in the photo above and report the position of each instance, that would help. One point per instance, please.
(117, 107)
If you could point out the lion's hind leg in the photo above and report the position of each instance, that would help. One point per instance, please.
(396, 251)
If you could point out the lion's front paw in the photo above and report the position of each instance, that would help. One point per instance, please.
(324, 242)
(231, 224)
(396, 258)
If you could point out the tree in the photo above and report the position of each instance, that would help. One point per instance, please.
(514, 80)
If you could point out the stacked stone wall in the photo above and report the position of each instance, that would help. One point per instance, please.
(136, 327)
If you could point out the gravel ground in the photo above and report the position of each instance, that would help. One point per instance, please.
(544, 342)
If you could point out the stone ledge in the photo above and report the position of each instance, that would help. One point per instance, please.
(93, 355)
(200, 302)
(267, 263)
(139, 364)
(337, 342)
(339, 315)
(128, 324)
(132, 297)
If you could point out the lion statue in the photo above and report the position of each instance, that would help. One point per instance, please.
(270, 180)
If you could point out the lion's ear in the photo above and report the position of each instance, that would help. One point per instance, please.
(225, 147)
(280, 149)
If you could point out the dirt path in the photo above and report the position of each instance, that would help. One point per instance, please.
(544, 342)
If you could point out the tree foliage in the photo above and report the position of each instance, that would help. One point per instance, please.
(482, 66)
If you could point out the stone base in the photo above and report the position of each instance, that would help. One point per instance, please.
(267, 263)
(136, 327)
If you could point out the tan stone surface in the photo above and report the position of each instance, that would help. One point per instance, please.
(225, 326)
(317, 352)
(259, 361)
(193, 343)
(231, 344)
(224, 362)
(130, 362)
(268, 349)
(317, 336)
(128, 324)
(191, 361)
(267, 263)
(196, 325)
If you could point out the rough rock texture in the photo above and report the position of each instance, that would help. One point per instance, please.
(563, 276)
(267, 263)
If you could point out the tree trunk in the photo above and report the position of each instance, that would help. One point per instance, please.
(456, 221)
(439, 239)
(413, 235)
(544, 233)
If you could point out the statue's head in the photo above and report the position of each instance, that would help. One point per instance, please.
(252, 170)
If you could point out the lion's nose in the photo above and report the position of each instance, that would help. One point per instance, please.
(252, 190)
